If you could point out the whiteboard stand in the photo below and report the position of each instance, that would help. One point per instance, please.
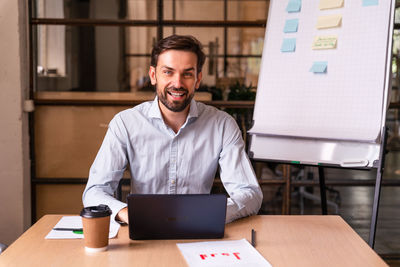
(378, 183)
(322, 189)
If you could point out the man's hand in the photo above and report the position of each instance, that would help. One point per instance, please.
(122, 215)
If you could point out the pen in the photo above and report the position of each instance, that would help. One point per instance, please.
(253, 238)
(68, 229)
(74, 230)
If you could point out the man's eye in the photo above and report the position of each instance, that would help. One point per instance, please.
(167, 72)
(188, 74)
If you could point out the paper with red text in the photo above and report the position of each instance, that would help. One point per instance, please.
(222, 253)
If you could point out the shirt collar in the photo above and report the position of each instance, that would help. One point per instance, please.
(155, 112)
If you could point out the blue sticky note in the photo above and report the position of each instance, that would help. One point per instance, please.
(291, 25)
(293, 6)
(370, 2)
(319, 67)
(288, 45)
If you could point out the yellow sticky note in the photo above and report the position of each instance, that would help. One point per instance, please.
(328, 4)
(329, 21)
(324, 42)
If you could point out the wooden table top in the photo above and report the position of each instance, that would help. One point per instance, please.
(283, 240)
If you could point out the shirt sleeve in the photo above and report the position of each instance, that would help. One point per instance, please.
(237, 175)
(107, 169)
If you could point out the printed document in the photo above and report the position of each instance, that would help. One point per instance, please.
(222, 253)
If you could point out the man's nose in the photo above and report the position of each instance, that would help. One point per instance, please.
(177, 81)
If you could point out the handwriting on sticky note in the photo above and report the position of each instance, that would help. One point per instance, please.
(328, 4)
(370, 2)
(288, 45)
(324, 42)
(319, 67)
(329, 21)
(291, 25)
(293, 6)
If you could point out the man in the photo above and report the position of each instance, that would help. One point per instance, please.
(174, 145)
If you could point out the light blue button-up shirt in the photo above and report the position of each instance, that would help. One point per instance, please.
(164, 162)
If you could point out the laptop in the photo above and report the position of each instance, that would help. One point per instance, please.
(192, 216)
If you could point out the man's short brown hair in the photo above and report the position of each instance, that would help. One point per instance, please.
(179, 42)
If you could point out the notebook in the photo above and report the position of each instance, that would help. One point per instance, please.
(192, 216)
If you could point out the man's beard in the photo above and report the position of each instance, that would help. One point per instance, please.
(175, 106)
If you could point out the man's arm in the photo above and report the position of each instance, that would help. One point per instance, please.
(107, 170)
(237, 175)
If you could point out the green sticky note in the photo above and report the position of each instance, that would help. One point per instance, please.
(291, 25)
(319, 67)
(288, 45)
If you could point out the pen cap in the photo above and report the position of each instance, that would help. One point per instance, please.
(96, 211)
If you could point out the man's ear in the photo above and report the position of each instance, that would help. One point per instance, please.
(199, 77)
(152, 75)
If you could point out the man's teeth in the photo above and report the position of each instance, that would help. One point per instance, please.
(176, 94)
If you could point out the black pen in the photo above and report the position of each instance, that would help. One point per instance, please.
(67, 229)
(253, 238)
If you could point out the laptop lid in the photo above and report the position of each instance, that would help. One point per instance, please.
(192, 216)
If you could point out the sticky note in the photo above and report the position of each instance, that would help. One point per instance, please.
(330, 21)
(319, 67)
(370, 2)
(293, 6)
(324, 42)
(328, 4)
(291, 25)
(288, 45)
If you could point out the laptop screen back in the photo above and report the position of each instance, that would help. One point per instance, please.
(154, 216)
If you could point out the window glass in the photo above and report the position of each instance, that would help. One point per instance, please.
(248, 10)
(116, 58)
(194, 9)
(96, 9)
(75, 58)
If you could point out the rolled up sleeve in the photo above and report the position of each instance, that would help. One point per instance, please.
(237, 175)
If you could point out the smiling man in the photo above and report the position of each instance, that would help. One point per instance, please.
(174, 145)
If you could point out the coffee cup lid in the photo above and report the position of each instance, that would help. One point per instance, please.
(96, 211)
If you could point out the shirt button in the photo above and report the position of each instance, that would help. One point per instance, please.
(172, 181)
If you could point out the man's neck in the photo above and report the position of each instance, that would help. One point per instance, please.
(174, 120)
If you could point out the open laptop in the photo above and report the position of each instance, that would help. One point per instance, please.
(154, 216)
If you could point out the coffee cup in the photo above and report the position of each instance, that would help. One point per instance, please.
(96, 226)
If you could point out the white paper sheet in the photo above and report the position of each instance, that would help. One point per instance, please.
(75, 222)
(222, 253)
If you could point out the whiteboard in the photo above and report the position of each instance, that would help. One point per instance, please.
(344, 103)
(344, 107)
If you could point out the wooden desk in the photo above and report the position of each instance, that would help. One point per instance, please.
(282, 240)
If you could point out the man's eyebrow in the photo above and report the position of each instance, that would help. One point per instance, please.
(166, 67)
(189, 69)
(185, 70)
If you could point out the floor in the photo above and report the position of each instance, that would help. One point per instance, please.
(353, 203)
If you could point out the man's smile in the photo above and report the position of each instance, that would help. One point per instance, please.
(177, 94)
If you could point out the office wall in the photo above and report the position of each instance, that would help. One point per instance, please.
(14, 149)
